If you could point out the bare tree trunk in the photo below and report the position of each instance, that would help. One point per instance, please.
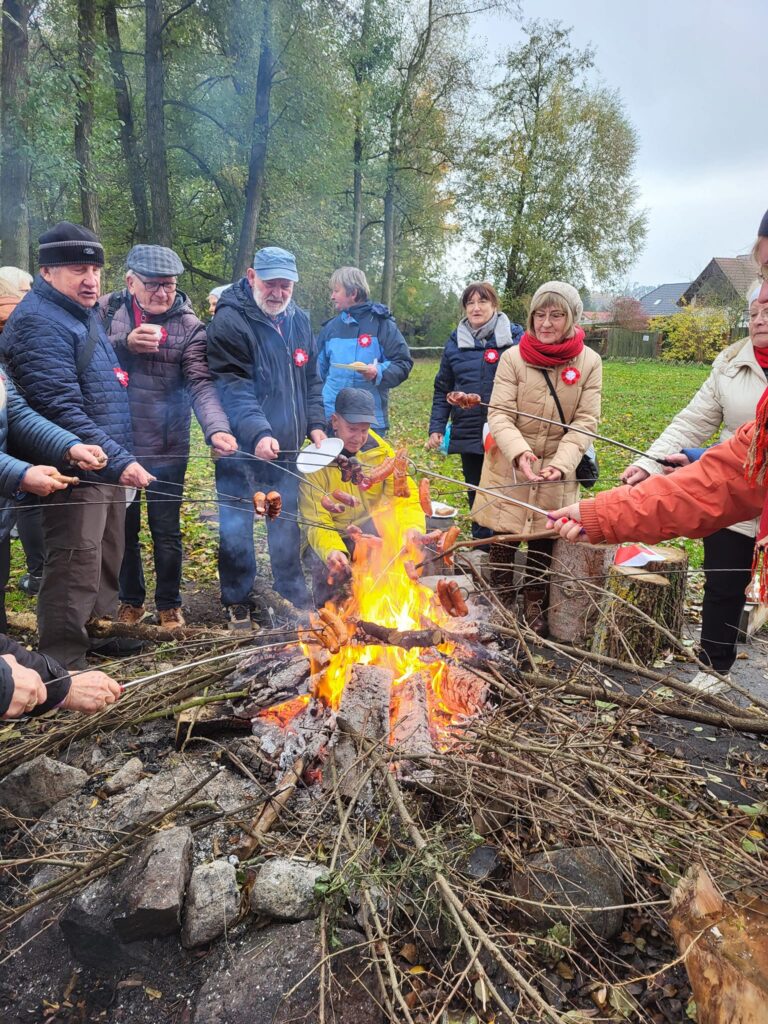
(361, 77)
(157, 163)
(257, 164)
(84, 118)
(14, 171)
(128, 142)
(388, 271)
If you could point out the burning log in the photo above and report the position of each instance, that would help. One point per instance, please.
(725, 948)
(364, 712)
(410, 729)
(407, 639)
(270, 810)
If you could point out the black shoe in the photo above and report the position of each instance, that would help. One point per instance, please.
(116, 647)
(238, 618)
(30, 584)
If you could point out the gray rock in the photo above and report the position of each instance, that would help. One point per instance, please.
(150, 898)
(87, 926)
(585, 877)
(126, 776)
(274, 962)
(285, 889)
(213, 903)
(483, 862)
(33, 787)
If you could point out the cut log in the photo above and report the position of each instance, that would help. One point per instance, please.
(364, 711)
(620, 632)
(101, 628)
(406, 639)
(725, 948)
(410, 725)
(208, 720)
(674, 569)
(579, 574)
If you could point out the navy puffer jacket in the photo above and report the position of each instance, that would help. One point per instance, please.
(164, 383)
(40, 347)
(265, 370)
(472, 370)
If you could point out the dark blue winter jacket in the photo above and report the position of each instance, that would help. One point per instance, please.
(41, 343)
(265, 370)
(471, 370)
(361, 334)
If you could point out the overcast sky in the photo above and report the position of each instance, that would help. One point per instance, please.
(691, 74)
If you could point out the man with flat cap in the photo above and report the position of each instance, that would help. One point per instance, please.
(263, 357)
(161, 343)
(59, 357)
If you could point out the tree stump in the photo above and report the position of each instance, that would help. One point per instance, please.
(364, 711)
(725, 948)
(578, 577)
(658, 591)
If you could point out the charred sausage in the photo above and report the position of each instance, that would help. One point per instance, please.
(274, 504)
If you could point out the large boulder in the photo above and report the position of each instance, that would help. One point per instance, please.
(151, 895)
(275, 977)
(33, 787)
(285, 889)
(213, 903)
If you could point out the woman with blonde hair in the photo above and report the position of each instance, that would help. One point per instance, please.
(14, 284)
(551, 374)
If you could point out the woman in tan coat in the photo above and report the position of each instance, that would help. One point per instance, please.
(532, 461)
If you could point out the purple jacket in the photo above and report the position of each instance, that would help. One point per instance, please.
(164, 385)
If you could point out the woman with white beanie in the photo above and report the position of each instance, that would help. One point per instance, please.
(552, 374)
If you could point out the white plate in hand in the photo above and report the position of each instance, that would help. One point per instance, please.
(441, 511)
(311, 458)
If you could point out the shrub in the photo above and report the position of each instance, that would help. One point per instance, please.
(694, 334)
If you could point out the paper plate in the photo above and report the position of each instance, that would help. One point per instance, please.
(447, 511)
(311, 459)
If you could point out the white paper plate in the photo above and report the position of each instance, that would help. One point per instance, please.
(443, 515)
(311, 459)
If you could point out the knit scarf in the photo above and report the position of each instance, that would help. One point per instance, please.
(498, 325)
(538, 353)
(761, 355)
(755, 468)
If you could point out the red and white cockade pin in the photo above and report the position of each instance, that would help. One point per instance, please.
(491, 355)
(300, 357)
(122, 375)
(364, 340)
(570, 375)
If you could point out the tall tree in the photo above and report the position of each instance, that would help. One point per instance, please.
(84, 116)
(14, 158)
(157, 162)
(128, 144)
(549, 185)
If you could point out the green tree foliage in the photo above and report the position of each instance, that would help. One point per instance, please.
(694, 334)
(549, 184)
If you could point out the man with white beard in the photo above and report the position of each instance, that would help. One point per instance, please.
(262, 354)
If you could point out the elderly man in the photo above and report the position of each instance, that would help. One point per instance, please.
(361, 347)
(262, 354)
(58, 355)
(160, 343)
(326, 546)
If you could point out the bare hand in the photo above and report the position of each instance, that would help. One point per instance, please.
(338, 564)
(679, 459)
(42, 481)
(28, 689)
(370, 372)
(144, 339)
(567, 522)
(525, 463)
(87, 456)
(318, 436)
(91, 692)
(223, 443)
(633, 475)
(268, 449)
(550, 473)
(135, 475)
(435, 440)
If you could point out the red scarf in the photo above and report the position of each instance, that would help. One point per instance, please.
(761, 355)
(537, 353)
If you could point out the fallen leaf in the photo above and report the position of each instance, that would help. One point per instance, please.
(409, 952)
(418, 969)
(565, 970)
(153, 993)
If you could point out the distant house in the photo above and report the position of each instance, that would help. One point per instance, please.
(592, 318)
(664, 300)
(724, 281)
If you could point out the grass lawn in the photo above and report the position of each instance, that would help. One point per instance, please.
(639, 399)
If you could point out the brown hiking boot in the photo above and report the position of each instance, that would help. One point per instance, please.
(171, 617)
(535, 604)
(130, 615)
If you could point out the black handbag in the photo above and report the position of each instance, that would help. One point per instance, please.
(588, 470)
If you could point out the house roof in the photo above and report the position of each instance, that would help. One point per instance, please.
(739, 271)
(663, 300)
(595, 317)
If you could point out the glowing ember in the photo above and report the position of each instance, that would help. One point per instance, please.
(281, 714)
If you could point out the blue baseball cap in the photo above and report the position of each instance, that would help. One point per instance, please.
(275, 262)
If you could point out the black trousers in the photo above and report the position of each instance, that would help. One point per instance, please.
(728, 570)
(538, 561)
(472, 468)
(30, 527)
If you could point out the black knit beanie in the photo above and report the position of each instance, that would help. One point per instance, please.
(69, 244)
(762, 231)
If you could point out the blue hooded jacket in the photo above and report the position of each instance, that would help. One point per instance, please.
(363, 333)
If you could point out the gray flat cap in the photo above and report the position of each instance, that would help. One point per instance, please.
(154, 261)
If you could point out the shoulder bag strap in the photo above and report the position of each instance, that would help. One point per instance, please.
(85, 355)
(557, 400)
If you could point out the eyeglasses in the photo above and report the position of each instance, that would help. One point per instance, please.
(555, 316)
(153, 287)
(759, 314)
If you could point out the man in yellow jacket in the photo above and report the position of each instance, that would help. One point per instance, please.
(325, 546)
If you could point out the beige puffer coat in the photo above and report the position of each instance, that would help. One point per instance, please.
(519, 386)
(728, 397)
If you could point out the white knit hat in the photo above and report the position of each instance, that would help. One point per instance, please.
(566, 292)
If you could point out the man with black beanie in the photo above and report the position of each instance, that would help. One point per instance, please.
(58, 355)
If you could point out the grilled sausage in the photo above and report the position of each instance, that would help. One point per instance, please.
(378, 474)
(346, 499)
(446, 542)
(463, 400)
(274, 504)
(260, 503)
(411, 571)
(402, 490)
(425, 498)
(457, 599)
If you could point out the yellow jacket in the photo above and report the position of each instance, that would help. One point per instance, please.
(376, 503)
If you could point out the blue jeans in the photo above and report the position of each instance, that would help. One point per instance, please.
(237, 478)
(163, 515)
